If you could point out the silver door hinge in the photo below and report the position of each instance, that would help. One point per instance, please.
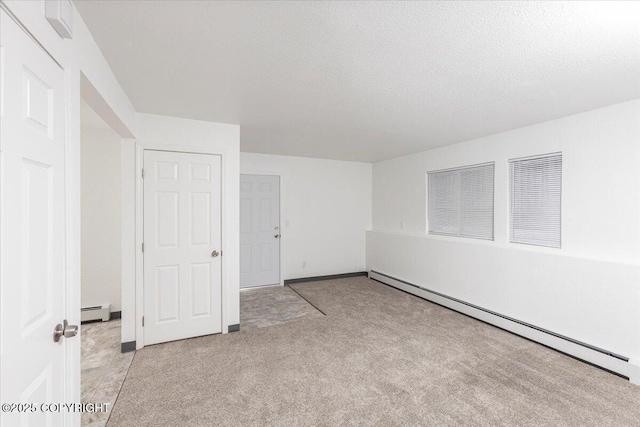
(142, 173)
(142, 246)
(143, 321)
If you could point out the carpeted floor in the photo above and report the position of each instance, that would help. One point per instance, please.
(272, 305)
(378, 357)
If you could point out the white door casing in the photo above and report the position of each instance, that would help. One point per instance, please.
(32, 222)
(259, 230)
(182, 245)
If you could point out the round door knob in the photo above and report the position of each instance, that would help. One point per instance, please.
(58, 332)
(65, 330)
(215, 253)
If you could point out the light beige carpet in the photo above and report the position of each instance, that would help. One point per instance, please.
(272, 305)
(378, 357)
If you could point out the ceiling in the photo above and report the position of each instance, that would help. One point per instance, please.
(369, 81)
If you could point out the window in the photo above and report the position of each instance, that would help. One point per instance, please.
(461, 202)
(536, 194)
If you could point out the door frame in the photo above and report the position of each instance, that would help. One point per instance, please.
(73, 241)
(224, 220)
(283, 178)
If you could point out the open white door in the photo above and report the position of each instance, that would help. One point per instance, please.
(32, 220)
(182, 266)
(259, 230)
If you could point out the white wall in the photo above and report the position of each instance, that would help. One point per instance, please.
(326, 209)
(101, 217)
(160, 132)
(128, 174)
(590, 289)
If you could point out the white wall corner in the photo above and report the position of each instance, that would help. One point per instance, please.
(634, 371)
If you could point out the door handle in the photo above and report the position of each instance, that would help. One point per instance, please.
(70, 331)
(215, 253)
(64, 330)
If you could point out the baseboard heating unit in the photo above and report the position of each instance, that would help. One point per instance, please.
(610, 361)
(98, 312)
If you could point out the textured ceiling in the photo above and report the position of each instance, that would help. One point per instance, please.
(369, 81)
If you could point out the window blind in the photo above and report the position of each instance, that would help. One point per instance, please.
(460, 202)
(536, 196)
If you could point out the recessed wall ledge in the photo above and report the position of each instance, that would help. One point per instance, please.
(513, 246)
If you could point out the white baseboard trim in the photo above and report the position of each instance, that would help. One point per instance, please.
(610, 361)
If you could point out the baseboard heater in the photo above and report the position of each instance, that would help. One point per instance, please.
(601, 358)
(97, 312)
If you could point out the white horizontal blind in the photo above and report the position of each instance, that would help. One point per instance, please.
(536, 196)
(461, 202)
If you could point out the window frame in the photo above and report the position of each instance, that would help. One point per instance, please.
(511, 187)
(429, 207)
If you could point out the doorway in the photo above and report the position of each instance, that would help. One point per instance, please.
(260, 233)
(103, 365)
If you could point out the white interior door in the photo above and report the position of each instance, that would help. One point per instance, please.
(32, 223)
(259, 230)
(182, 246)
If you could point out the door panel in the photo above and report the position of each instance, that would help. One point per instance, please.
(182, 228)
(168, 293)
(259, 230)
(32, 223)
(200, 276)
(167, 229)
(200, 219)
